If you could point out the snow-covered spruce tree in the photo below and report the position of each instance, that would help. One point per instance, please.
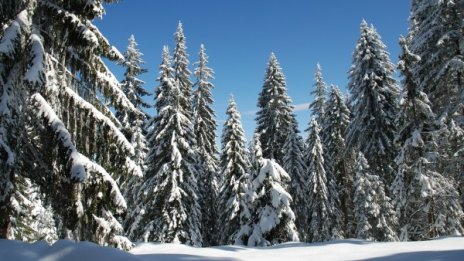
(427, 202)
(205, 133)
(275, 119)
(133, 124)
(52, 80)
(167, 202)
(374, 103)
(295, 165)
(318, 107)
(373, 213)
(234, 197)
(181, 71)
(337, 165)
(320, 208)
(272, 219)
(436, 34)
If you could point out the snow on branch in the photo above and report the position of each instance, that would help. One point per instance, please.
(12, 33)
(80, 164)
(35, 74)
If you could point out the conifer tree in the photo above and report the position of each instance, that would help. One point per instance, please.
(272, 219)
(53, 77)
(275, 119)
(234, 197)
(337, 166)
(373, 213)
(320, 209)
(295, 164)
(374, 98)
(181, 71)
(427, 201)
(167, 202)
(205, 133)
(133, 124)
(318, 107)
(437, 37)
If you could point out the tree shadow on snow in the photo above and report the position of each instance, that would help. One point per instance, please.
(182, 257)
(450, 255)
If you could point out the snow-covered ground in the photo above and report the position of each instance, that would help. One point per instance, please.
(444, 249)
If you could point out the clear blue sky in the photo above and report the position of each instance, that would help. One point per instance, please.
(239, 36)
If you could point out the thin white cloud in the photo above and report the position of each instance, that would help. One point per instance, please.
(301, 107)
(250, 113)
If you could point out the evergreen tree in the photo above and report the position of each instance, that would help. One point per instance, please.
(374, 95)
(205, 133)
(373, 213)
(337, 165)
(427, 201)
(181, 71)
(295, 164)
(437, 37)
(272, 219)
(132, 124)
(52, 79)
(275, 119)
(320, 207)
(234, 199)
(318, 107)
(167, 202)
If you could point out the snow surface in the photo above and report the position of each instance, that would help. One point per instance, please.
(444, 249)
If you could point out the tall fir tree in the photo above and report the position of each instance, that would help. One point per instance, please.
(373, 213)
(205, 133)
(181, 72)
(374, 103)
(52, 79)
(318, 106)
(337, 165)
(132, 125)
(320, 207)
(427, 201)
(272, 219)
(437, 37)
(167, 202)
(295, 165)
(234, 195)
(275, 119)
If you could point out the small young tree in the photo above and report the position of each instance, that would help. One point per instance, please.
(272, 219)
(374, 215)
(234, 196)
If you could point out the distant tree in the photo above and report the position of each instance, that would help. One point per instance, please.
(318, 106)
(374, 215)
(336, 164)
(320, 207)
(205, 133)
(234, 194)
(295, 164)
(275, 119)
(374, 103)
(181, 72)
(167, 202)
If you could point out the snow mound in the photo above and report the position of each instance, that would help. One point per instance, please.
(444, 249)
